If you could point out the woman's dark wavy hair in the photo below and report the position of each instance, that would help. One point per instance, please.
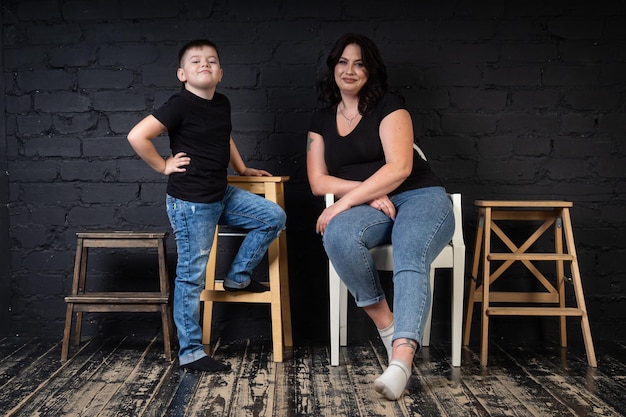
(376, 85)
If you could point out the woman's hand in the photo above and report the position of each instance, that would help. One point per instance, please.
(253, 172)
(328, 214)
(385, 205)
(176, 163)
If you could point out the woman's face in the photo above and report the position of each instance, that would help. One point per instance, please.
(350, 73)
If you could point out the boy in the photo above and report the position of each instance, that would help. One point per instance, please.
(198, 122)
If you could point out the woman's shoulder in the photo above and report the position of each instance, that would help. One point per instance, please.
(394, 99)
(389, 103)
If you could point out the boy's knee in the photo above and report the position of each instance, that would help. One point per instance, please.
(279, 218)
(283, 220)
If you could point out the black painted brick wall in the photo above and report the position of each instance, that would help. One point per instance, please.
(519, 100)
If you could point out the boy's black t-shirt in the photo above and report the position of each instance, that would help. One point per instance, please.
(201, 128)
(360, 154)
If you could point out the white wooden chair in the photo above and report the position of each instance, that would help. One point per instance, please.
(452, 256)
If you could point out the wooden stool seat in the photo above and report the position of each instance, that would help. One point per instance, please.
(277, 297)
(550, 299)
(80, 301)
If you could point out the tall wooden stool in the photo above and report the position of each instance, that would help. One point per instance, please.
(81, 300)
(278, 295)
(551, 302)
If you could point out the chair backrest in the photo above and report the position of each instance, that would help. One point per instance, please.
(419, 151)
(457, 237)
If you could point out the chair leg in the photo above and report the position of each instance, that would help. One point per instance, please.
(427, 326)
(458, 287)
(343, 314)
(334, 290)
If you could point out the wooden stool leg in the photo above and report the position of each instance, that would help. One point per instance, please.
(79, 325)
(484, 346)
(166, 318)
(66, 331)
(285, 302)
(276, 309)
(207, 313)
(469, 312)
(81, 262)
(560, 275)
(78, 284)
(165, 322)
(471, 299)
(578, 290)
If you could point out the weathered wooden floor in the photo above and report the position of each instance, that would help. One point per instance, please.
(129, 377)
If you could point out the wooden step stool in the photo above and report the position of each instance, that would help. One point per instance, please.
(105, 302)
(550, 302)
(278, 295)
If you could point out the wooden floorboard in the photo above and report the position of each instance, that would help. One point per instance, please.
(128, 376)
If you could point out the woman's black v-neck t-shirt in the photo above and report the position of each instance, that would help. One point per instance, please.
(359, 154)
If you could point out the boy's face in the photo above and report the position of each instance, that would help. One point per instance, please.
(200, 68)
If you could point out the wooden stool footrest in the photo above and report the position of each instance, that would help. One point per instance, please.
(518, 297)
(118, 298)
(529, 257)
(236, 297)
(534, 311)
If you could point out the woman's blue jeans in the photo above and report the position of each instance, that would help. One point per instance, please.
(423, 226)
(194, 227)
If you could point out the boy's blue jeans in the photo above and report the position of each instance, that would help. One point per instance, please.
(424, 224)
(194, 226)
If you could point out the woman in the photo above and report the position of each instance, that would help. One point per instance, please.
(360, 148)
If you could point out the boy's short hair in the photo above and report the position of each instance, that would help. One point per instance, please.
(197, 43)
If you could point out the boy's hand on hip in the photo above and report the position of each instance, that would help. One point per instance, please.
(176, 163)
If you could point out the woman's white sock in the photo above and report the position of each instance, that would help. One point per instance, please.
(393, 381)
(385, 335)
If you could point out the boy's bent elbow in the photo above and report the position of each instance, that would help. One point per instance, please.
(132, 137)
